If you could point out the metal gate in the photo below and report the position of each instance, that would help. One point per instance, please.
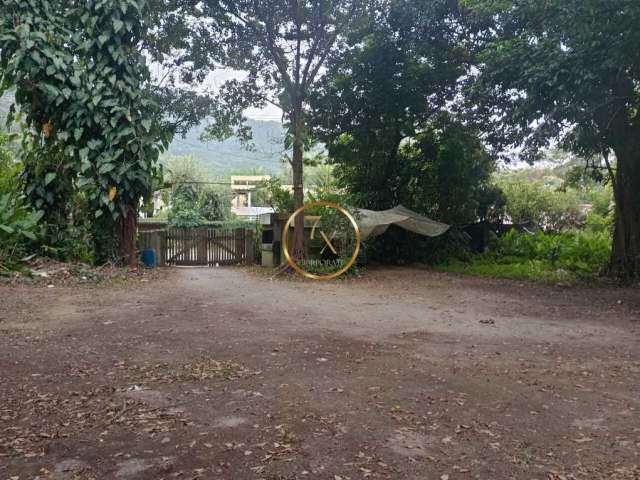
(200, 246)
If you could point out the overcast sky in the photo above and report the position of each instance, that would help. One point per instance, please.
(218, 77)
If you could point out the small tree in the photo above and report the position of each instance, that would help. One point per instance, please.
(214, 205)
(185, 211)
(281, 47)
(529, 200)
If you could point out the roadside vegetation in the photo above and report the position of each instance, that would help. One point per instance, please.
(378, 109)
(562, 222)
(567, 257)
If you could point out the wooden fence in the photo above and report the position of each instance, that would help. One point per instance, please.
(200, 246)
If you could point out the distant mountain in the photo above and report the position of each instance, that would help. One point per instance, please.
(230, 156)
(220, 158)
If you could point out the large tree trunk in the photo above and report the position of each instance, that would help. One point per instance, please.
(128, 229)
(625, 256)
(298, 187)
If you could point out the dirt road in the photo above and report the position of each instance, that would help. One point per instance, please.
(402, 374)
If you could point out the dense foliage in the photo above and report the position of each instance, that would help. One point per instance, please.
(19, 224)
(18, 229)
(9, 168)
(568, 71)
(566, 257)
(556, 199)
(382, 114)
(277, 197)
(551, 210)
(80, 82)
(192, 200)
(194, 207)
(383, 91)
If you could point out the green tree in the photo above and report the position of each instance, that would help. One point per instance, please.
(194, 200)
(277, 197)
(533, 201)
(445, 172)
(566, 70)
(195, 206)
(82, 83)
(214, 205)
(185, 211)
(281, 47)
(185, 169)
(379, 114)
(381, 91)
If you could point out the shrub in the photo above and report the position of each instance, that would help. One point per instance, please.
(194, 207)
(214, 206)
(185, 217)
(579, 252)
(553, 210)
(18, 228)
(568, 256)
(18, 224)
(278, 198)
(9, 168)
(76, 239)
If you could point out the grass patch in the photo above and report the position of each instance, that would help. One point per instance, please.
(535, 270)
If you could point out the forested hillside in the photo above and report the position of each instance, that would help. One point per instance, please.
(230, 156)
(226, 157)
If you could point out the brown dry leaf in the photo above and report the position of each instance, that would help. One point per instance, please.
(583, 440)
(47, 129)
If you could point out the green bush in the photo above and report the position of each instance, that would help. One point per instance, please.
(214, 205)
(554, 203)
(192, 206)
(581, 252)
(180, 217)
(278, 198)
(18, 229)
(563, 257)
(553, 210)
(79, 238)
(9, 167)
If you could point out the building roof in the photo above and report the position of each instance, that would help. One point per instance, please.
(251, 212)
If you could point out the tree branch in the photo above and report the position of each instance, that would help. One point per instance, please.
(308, 79)
(272, 48)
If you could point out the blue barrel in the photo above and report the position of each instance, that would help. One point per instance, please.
(148, 256)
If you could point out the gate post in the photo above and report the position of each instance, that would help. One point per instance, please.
(163, 249)
(249, 247)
